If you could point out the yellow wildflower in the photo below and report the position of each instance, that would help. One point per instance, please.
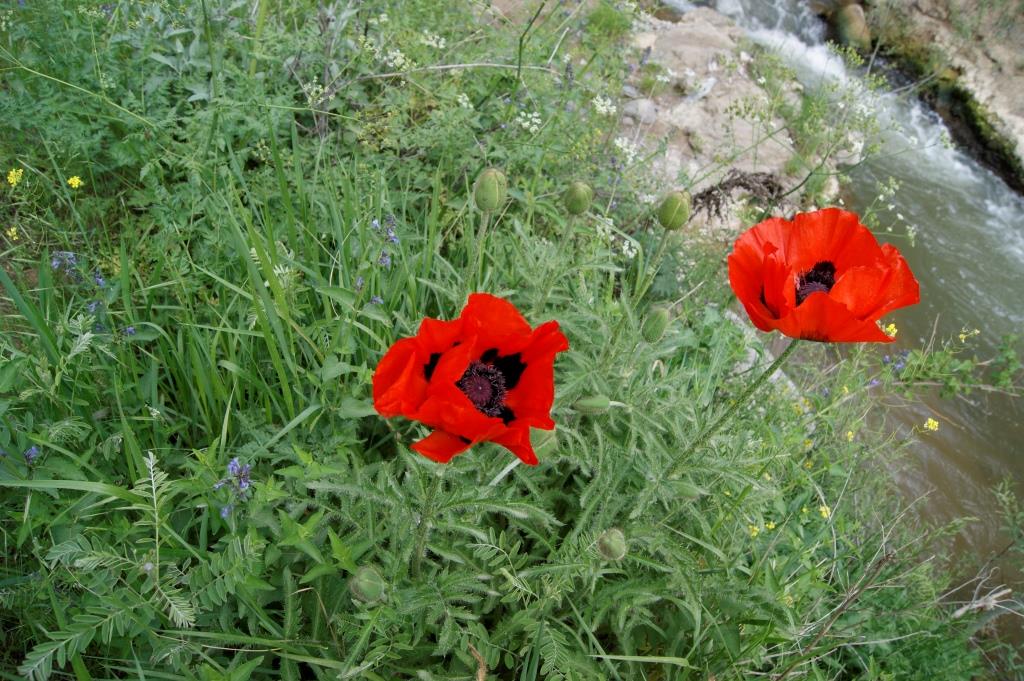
(754, 530)
(767, 477)
(965, 334)
(808, 444)
(804, 510)
(849, 436)
(825, 511)
(14, 176)
(12, 233)
(891, 330)
(808, 464)
(769, 525)
(846, 390)
(788, 600)
(931, 424)
(75, 182)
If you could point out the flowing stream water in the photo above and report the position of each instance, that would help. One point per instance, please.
(968, 257)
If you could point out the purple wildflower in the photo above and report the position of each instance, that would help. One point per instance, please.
(375, 225)
(376, 300)
(98, 278)
(873, 382)
(128, 330)
(31, 454)
(384, 260)
(886, 359)
(392, 237)
(225, 511)
(359, 283)
(240, 472)
(93, 306)
(238, 477)
(65, 260)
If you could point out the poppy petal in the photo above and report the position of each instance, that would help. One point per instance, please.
(820, 318)
(831, 235)
(517, 441)
(399, 386)
(533, 396)
(441, 446)
(493, 317)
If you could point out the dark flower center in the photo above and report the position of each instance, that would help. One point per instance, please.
(484, 385)
(821, 277)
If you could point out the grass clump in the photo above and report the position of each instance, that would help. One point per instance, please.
(194, 481)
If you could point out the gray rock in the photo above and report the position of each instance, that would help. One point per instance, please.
(852, 28)
(630, 91)
(644, 110)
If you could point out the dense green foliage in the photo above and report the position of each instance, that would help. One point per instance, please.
(272, 193)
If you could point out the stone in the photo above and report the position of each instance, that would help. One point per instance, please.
(643, 110)
(699, 128)
(852, 27)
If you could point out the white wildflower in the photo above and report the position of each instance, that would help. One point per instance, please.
(629, 150)
(463, 99)
(432, 40)
(628, 247)
(604, 106)
(397, 60)
(529, 121)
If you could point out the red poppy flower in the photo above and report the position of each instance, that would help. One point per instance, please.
(821, 276)
(484, 377)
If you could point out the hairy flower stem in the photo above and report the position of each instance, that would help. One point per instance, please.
(563, 245)
(423, 529)
(644, 286)
(478, 267)
(726, 417)
(652, 272)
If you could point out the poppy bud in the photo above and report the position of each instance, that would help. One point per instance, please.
(367, 585)
(577, 198)
(612, 544)
(592, 405)
(490, 189)
(654, 326)
(674, 210)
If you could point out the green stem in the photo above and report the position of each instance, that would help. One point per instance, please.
(652, 270)
(423, 530)
(727, 416)
(645, 284)
(479, 258)
(563, 244)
